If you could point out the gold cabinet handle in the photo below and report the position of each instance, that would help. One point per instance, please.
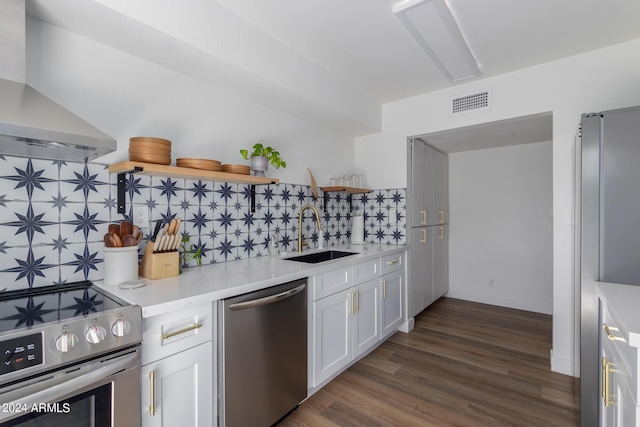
(152, 398)
(441, 213)
(606, 371)
(424, 236)
(611, 336)
(357, 300)
(424, 216)
(351, 309)
(181, 331)
(395, 261)
(441, 232)
(384, 288)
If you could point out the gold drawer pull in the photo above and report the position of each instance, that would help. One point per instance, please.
(384, 288)
(424, 217)
(441, 217)
(608, 329)
(395, 261)
(181, 331)
(440, 232)
(606, 395)
(152, 398)
(424, 236)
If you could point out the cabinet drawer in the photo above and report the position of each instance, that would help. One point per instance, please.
(366, 270)
(171, 333)
(391, 263)
(330, 282)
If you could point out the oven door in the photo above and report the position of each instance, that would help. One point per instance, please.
(101, 392)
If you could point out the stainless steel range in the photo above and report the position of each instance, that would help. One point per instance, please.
(70, 357)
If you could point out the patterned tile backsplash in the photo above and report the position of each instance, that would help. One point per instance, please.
(53, 216)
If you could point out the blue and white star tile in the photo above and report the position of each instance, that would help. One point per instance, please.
(33, 267)
(201, 191)
(167, 191)
(82, 261)
(27, 179)
(84, 222)
(29, 223)
(84, 182)
(248, 243)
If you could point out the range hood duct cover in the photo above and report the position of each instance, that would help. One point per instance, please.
(31, 124)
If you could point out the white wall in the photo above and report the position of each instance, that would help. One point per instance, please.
(596, 81)
(501, 237)
(126, 96)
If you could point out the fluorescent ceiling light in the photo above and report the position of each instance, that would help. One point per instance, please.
(431, 23)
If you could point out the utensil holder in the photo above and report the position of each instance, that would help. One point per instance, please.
(160, 265)
(120, 264)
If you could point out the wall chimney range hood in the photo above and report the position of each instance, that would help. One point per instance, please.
(31, 124)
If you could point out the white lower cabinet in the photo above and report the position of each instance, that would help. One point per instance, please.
(365, 316)
(178, 389)
(391, 297)
(350, 323)
(332, 332)
(177, 373)
(618, 372)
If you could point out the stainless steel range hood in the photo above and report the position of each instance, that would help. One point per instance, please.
(31, 124)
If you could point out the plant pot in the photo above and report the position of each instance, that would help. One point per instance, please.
(259, 165)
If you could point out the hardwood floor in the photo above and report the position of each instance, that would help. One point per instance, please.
(464, 364)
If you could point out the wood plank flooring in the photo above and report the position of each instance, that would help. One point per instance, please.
(464, 364)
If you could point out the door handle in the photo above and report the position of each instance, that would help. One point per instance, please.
(357, 300)
(424, 236)
(441, 232)
(384, 288)
(441, 216)
(267, 300)
(424, 216)
(606, 395)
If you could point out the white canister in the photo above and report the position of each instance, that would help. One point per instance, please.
(357, 230)
(120, 265)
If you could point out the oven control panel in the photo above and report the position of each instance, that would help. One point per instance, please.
(22, 352)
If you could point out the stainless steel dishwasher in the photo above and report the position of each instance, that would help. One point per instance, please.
(263, 355)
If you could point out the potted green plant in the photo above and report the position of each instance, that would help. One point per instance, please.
(189, 253)
(261, 156)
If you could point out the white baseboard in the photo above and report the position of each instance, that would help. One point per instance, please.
(407, 326)
(534, 306)
(564, 366)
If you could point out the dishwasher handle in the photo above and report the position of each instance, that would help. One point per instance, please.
(267, 300)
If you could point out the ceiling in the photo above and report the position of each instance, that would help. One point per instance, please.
(335, 62)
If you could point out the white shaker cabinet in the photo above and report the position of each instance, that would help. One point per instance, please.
(422, 194)
(619, 359)
(178, 389)
(365, 314)
(440, 260)
(428, 275)
(177, 374)
(421, 274)
(332, 330)
(349, 323)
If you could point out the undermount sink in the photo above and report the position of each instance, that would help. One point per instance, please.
(316, 257)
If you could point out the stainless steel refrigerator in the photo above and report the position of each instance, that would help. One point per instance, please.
(609, 229)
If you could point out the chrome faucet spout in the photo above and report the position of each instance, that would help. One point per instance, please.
(315, 211)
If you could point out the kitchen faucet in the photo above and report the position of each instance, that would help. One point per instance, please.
(313, 208)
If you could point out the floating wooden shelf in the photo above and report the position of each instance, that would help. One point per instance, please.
(187, 173)
(350, 190)
(151, 169)
(343, 189)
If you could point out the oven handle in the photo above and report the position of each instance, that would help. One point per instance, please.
(60, 391)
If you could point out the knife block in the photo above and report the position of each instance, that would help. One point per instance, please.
(160, 265)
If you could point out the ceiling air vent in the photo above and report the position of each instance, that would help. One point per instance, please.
(470, 103)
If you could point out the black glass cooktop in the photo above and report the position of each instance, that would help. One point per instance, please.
(38, 306)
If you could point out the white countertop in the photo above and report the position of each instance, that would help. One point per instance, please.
(212, 282)
(623, 303)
